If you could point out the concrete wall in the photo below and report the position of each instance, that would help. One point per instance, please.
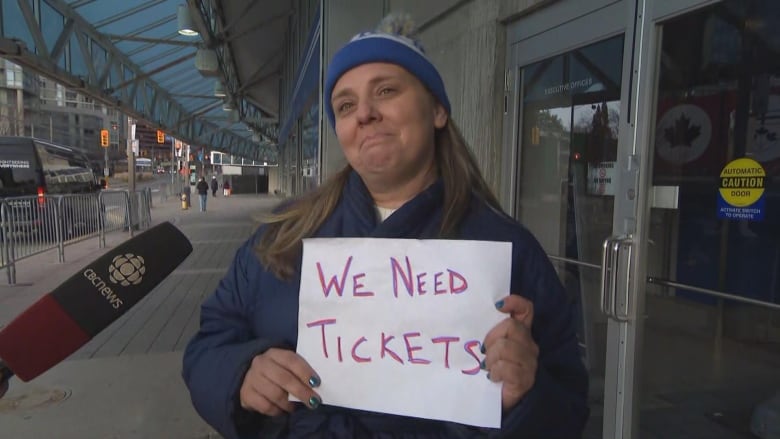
(467, 42)
(341, 20)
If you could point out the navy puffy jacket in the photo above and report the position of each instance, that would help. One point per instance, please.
(252, 311)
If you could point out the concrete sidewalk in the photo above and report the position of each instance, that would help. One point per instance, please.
(126, 383)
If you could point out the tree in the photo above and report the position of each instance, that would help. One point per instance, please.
(549, 122)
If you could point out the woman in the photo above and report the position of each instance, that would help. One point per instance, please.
(410, 175)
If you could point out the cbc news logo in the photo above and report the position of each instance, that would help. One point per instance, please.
(127, 269)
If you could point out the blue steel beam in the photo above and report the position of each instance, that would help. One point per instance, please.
(127, 13)
(153, 25)
(148, 46)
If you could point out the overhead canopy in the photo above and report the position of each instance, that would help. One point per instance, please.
(129, 54)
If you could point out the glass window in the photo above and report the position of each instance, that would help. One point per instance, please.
(570, 113)
(52, 24)
(719, 101)
(15, 25)
(60, 95)
(14, 77)
(78, 62)
(17, 170)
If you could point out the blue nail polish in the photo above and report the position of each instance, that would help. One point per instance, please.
(488, 375)
(314, 402)
(314, 381)
(482, 348)
(482, 365)
(499, 304)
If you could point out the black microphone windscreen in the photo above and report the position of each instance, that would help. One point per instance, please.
(64, 320)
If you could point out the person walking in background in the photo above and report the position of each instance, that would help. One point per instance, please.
(214, 185)
(226, 188)
(203, 192)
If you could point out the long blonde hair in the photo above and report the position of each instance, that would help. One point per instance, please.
(281, 244)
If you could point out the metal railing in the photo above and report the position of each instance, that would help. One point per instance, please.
(171, 189)
(32, 225)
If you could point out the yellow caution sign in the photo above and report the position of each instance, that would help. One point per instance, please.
(742, 183)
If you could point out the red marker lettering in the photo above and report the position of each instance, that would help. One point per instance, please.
(410, 349)
(334, 283)
(446, 341)
(463, 284)
(357, 357)
(469, 348)
(407, 278)
(436, 283)
(421, 284)
(322, 324)
(357, 285)
(385, 341)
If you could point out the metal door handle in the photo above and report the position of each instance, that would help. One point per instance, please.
(611, 258)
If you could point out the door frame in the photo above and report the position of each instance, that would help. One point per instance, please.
(632, 212)
(558, 29)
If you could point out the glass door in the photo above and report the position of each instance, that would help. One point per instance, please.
(711, 352)
(643, 150)
(569, 113)
(565, 155)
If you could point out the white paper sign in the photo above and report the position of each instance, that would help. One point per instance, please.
(395, 325)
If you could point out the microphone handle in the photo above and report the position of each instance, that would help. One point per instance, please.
(5, 373)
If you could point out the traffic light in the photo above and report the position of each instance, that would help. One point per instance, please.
(104, 139)
(160, 136)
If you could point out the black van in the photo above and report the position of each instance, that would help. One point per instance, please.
(34, 167)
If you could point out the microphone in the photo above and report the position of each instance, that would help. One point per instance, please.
(62, 321)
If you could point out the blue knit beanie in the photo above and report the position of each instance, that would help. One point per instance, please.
(391, 45)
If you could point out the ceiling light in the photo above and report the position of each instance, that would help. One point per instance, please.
(206, 62)
(219, 89)
(186, 25)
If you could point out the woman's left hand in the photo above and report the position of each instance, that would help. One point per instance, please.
(510, 352)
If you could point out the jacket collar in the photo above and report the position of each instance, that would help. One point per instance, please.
(419, 217)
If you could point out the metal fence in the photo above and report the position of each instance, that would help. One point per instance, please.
(172, 189)
(35, 224)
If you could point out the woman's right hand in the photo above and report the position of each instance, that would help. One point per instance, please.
(273, 376)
